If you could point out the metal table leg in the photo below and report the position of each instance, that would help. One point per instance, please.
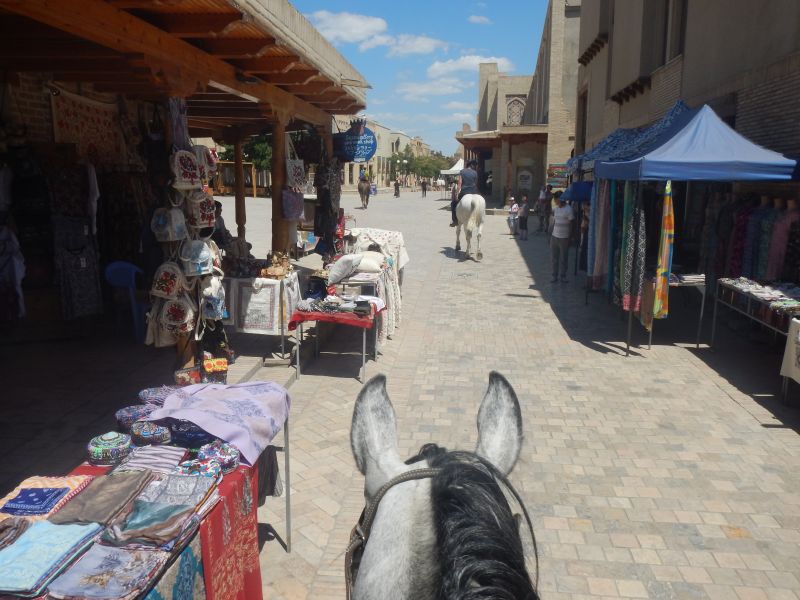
(702, 290)
(363, 353)
(316, 338)
(714, 318)
(283, 317)
(650, 336)
(628, 341)
(288, 485)
(299, 345)
(375, 328)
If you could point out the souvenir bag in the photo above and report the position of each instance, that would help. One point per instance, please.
(179, 315)
(293, 205)
(215, 343)
(215, 370)
(169, 224)
(200, 210)
(189, 376)
(197, 258)
(185, 170)
(206, 160)
(156, 335)
(295, 169)
(212, 299)
(168, 281)
(216, 255)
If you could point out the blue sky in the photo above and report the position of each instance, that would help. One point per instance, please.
(421, 56)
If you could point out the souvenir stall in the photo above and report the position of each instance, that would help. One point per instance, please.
(691, 146)
(164, 507)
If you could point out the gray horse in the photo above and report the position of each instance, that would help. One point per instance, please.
(363, 191)
(451, 534)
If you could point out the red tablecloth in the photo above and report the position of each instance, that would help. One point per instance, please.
(343, 318)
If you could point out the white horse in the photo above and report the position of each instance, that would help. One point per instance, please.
(470, 214)
(438, 526)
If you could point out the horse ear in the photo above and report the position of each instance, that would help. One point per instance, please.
(500, 425)
(373, 433)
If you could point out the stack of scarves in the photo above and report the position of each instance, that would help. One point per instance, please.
(37, 498)
(42, 552)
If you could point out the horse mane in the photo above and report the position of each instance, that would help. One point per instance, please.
(479, 545)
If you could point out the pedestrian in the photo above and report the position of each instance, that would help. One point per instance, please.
(563, 216)
(513, 215)
(524, 211)
(543, 207)
(424, 186)
(467, 184)
(396, 188)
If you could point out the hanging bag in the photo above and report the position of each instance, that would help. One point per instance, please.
(185, 170)
(200, 210)
(179, 315)
(156, 335)
(212, 299)
(168, 281)
(168, 224)
(295, 169)
(293, 205)
(196, 258)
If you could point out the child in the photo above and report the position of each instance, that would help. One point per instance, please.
(524, 211)
(513, 211)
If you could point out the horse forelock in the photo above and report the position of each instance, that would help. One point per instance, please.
(480, 551)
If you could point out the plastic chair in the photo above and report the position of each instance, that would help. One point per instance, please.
(121, 274)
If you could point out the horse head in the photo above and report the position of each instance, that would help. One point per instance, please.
(440, 525)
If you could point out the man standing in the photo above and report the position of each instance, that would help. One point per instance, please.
(424, 186)
(467, 184)
(559, 241)
(543, 207)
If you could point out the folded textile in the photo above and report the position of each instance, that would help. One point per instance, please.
(177, 489)
(159, 459)
(104, 499)
(34, 501)
(183, 580)
(40, 553)
(156, 395)
(246, 415)
(378, 303)
(108, 573)
(73, 483)
(11, 529)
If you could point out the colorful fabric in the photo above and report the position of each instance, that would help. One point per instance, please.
(779, 244)
(40, 553)
(159, 459)
(183, 580)
(761, 260)
(225, 454)
(246, 415)
(601, 228)
(207, 467)
(104, 499)
(109, 448)
(147, 432)
(156, 395)
(11, 529)
(178, 490)
(229, 540)
(34, 501)
(107, 573)
(73, 483)
(664, 268)
(127, 416)
(634, 244)
(150, 524)
(737, 241)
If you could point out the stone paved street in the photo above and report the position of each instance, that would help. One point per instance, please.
(669, 474)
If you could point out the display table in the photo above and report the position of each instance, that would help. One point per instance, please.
(341, 318)
(746, 304)
(261, 306)
(790, 367)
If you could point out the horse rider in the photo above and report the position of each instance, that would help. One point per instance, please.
(467, 184)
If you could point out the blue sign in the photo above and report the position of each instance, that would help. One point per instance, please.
(357, 145)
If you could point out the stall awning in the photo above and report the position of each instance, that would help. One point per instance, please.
(455, 169)
(704, 148)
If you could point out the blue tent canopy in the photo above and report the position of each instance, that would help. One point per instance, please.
(578, 191)
(698, 146)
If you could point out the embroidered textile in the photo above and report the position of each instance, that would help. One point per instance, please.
(779, 244)
(34, 501)
(27, 565)
(664, 268)
(761, 258)
(229, 536)
(107, 573)
(159, 459)
(183, 580)
(176, 489)
(602, 225)
(104, 499)
(246, 415)
(11, 529)
(74, 484)
(632, 255)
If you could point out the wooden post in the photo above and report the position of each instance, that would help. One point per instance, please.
(253, 177)
(238, 186)
(280, 233)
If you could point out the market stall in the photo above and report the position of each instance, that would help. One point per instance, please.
(686, 146)
(164, 505)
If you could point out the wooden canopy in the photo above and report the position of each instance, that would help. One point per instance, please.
(241, 65)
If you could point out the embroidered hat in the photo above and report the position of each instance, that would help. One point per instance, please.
(188, 435)
(130, 414)
(144, 433)
(225, 454)
(109, 448)
(156, 395)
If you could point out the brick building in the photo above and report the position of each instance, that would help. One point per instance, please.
(525, 123)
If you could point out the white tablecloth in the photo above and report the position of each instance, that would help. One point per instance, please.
(254, 305)
(791, 355)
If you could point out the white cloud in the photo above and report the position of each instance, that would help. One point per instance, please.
(479, 20)
(375, 41)
(421, 90)
(455, 105)
(415, 44)
(469, 63)
(345, 27)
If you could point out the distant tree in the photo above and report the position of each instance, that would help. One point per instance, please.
(257, 149)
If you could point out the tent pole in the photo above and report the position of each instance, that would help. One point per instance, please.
(610, 275)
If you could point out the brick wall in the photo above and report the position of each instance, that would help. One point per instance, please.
(28, 103)
(768, 113)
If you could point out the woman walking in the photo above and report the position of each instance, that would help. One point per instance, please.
(559, 240)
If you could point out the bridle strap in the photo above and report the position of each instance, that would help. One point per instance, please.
(360, 533)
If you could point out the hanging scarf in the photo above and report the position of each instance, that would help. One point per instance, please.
(634, 244)
(661, 303)
(602, 220)
(592, 229)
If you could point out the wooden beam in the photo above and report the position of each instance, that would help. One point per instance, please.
(311, 88)
(267, 64)
(291, 78)
(74, 65)
(280, 232)
(323, 98)
(187, 25)
(213, 112)
(105, 76)
(99, 22)
(235, 47)
(146, 4)
(30, 48)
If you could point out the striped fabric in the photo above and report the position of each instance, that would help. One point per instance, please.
(160, 459)
(661, 305)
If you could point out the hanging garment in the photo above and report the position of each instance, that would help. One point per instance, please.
(752, 241)
(634, 245)
(761, 260)
(12, 272)
(791, 263)
(602, 232)
(590, 249)
(737, 241)
(180, 126)
(664, 268)
(79, 279)
(779, 243)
